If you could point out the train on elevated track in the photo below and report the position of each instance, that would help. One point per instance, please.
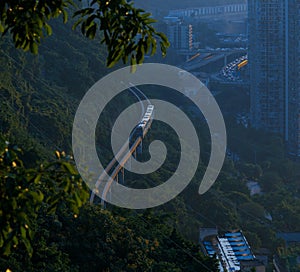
(143, 126)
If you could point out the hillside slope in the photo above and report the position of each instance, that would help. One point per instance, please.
(39, 94)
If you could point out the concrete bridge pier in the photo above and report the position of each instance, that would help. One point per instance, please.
(225, 60)
(140, 148)
(121, 177)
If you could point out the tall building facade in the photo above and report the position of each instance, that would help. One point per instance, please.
(274, 68)
(293, 59)
(179, 34)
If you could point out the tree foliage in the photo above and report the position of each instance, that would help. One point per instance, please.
(42, 228)
(126, 31)
(25, 191)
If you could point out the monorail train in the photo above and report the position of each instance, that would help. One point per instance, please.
(142, 127)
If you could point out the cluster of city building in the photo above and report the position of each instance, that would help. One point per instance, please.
(273, 60)
(179, 22)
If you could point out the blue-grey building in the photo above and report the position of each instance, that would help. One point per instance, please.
(267, 57)
(293, 76)
(179, 33)
(275, 68)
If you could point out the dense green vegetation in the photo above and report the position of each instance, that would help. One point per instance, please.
(42, 228)
(42, 231)
(45, 221)
(126, 30)
(28, 192)
(261, 158)
(30, 85)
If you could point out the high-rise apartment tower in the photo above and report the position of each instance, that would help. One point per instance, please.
(274, 47)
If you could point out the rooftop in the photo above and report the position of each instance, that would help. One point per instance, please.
(231, 249)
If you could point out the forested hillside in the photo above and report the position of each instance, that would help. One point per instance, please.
(39, 94)
(46, 221)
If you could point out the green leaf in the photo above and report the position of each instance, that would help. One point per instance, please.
(48, 29)
(164, 38)
(14, 203)
(69, 168)
(34, 48)
(38, 178)
(65, 15)
(154, 46)
(163, 49)
(133, 64)
(77, 23)
(28, 246)
(1, 28)
(26, 45)
(23, 232)
(150, 21)
(7, 249)
(37, 196)
(1, 241)
(78, 200)
(91, 32)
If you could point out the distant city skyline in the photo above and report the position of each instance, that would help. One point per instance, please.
(166, 5)
(208, 11)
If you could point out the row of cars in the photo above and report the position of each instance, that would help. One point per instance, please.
(231, 71)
